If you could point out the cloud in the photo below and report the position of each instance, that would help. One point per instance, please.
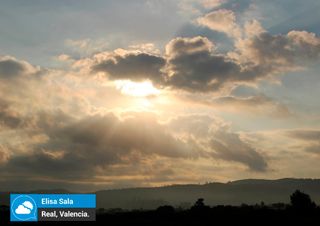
(255, 46)
(188, 64)
(248, 105)
(229, 146)
(28, 205)
(149, 48)
(9, 117)
(111, 135)
(70, 135)
(262, 53)
(133, 66)
(260, 104)
(184, 46)
(64, 58)
(12, 68)
(279, 53)
(197, 125)
(100, 147)
(307, 135)
(3, 155)
(221, 20)
(313, 149)
(22, 210)
(77, 148)
(310, 138)
(192, 65)
(253, 28)
(219, 142)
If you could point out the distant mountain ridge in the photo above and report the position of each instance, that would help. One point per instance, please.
(249, 191)
(283, 180)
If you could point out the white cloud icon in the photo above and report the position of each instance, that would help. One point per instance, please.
(22, 210)
(28, 205)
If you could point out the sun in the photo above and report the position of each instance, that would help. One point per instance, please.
(136, 89)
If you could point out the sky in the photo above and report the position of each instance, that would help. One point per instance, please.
(117, 93)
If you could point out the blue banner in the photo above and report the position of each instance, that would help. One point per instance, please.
(24, 207)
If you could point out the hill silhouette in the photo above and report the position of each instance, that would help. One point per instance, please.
(249, 191)
(232, 193)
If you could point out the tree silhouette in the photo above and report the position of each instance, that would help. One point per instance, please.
(199, 206)
(301, 201)
(199, 203)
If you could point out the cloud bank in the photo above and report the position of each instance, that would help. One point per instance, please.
(192, 64)
(71, 126)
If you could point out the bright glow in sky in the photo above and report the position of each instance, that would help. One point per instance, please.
(136, 89)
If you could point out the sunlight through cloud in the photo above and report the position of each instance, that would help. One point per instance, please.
(136, 89)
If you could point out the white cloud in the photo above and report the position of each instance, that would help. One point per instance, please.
(22, 210)
(28, 205)
(64, 57)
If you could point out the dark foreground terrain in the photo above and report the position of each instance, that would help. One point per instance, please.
(301, 211)
(221, 215)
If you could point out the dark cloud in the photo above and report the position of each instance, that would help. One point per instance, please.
(134, 133)
(220, 142)
(51, 164)
(313, 149)
(192, 65)
(136, 67)
(307, 135)
(78, 148)
(189, 64)
(183, 46)
(290, 48)
(10, 68)
(73, 150)
(230, 147)
(310, 137)
(280, 52)
(256, 104)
